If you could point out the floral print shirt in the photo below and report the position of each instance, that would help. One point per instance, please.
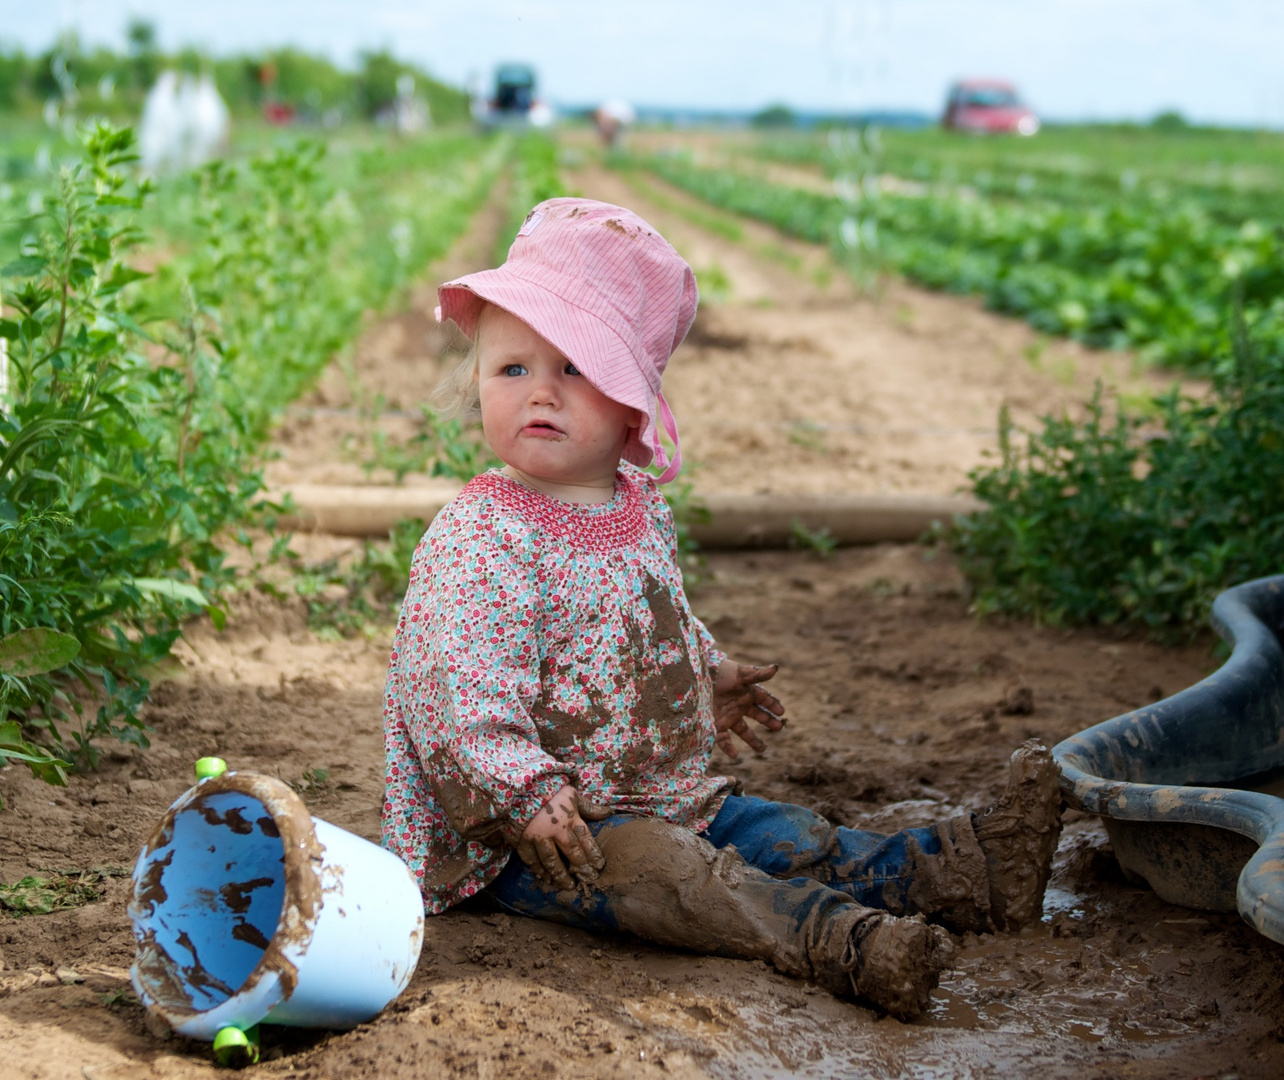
(542, 643)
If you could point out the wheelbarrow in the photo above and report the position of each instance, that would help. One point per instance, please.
(1188, 788)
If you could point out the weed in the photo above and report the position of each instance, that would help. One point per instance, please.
(36, 895)
(314, 781)
(348, 599)
(688, 509)
(1108, 520)
(820, 542)
(446, 448)
(807, 434)
(715, 285)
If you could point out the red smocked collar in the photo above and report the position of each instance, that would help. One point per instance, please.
(616, 523)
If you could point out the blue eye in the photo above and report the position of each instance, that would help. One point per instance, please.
(571, 369)
(514, 370)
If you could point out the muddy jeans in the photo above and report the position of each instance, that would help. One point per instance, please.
(765, 881)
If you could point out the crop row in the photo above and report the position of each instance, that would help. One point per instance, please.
(139, 404)
(1160, 278)
(1231, 176)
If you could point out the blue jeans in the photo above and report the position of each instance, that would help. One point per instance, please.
(766, 881)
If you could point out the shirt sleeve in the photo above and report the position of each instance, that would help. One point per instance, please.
(470, 668)
(662, 516)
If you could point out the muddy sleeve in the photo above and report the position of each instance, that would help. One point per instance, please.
(470, 668)
(713, 656)
(662, 518)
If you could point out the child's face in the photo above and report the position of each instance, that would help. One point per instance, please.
(541, 416)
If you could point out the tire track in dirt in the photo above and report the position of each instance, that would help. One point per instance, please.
(797, 382)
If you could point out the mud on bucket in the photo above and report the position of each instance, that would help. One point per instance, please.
(247, 909)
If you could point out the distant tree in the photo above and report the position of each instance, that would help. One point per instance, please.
(1169, 120)
(307, 81)
(774, 116)
(377, 80)
(144, 55)
(377, 88)
(16, 70)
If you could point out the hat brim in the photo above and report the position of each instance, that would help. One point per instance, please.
(594, 347)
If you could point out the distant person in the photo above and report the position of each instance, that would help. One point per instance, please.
(612, 118)
(552, 703)
(185, 123)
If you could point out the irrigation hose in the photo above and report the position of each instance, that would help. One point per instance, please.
(734, 521)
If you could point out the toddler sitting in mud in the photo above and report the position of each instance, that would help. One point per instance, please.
(552, 703)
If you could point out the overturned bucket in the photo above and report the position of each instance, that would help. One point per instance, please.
(246, 909)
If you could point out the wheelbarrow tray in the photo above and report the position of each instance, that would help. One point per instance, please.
(1184, 785)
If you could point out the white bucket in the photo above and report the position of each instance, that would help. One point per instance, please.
(246, 909)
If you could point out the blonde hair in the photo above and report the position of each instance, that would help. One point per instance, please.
(456, 396)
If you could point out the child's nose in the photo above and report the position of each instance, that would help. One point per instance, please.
(546, 389)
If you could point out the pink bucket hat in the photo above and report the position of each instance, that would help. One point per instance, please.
(607, 291)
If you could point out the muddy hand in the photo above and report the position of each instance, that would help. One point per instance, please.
(557, 844)
(737, 699)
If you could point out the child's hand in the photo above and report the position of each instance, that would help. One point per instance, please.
(559, 827)
(737, 697)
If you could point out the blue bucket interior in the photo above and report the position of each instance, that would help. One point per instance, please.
(224, 888)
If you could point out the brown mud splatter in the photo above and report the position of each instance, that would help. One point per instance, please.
(233, 819)
(150, 890)
(250, 934)
(236, 894)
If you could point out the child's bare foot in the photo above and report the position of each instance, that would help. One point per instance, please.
(1018, 835)
(895, 962)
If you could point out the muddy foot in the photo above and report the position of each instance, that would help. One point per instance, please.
(1018, 835)
(898, 962)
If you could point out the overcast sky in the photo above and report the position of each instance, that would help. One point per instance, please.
(1216, 60)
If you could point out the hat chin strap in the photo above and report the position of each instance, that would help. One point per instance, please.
(672, 465)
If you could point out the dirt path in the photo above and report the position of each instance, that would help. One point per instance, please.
(794, 381)
(903, 709)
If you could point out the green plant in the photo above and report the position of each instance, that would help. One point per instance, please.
(314, 781)
(37, 895)
(535, 177)
(99, 538)
(1141, 519)
(1119, 269)
(138, 407)
(346, 598)
(441, 447)
(819, 542)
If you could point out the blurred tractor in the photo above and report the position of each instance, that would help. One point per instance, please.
(513, 103)
(988, 107)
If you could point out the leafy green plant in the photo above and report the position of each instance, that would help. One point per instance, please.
(819, 542)
(535, 177)
(39, 895)
(94, 514)
(347, 598)
(138, 407)
(440, 447)
(1140, 519)
(1112, 272)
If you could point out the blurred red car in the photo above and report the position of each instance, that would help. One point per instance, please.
(988, 107)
